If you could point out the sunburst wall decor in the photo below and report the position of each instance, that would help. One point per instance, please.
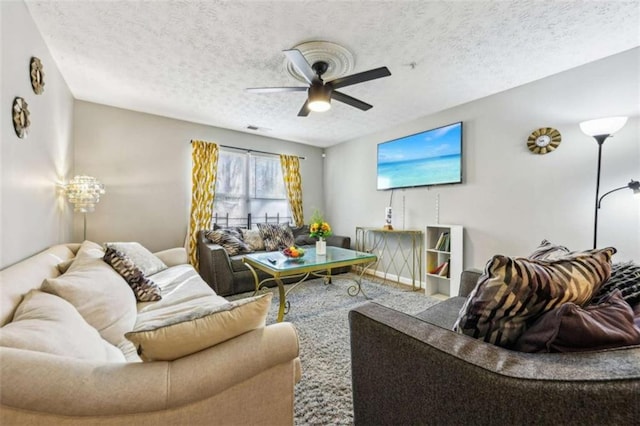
(37, 76)
(544, 140)
(20, 115)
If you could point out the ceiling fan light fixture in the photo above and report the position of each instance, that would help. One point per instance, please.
(319, 98)
(320, 105)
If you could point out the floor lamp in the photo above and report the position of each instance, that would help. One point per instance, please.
(84, 193)
(600, 130)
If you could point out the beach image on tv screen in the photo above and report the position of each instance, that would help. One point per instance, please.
(428, 158)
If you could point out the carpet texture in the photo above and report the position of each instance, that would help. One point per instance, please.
(319, 312)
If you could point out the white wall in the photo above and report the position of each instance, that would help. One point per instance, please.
(145, 163)
(511, 199)
(34, 214)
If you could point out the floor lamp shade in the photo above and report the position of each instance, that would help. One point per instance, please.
(603, 126)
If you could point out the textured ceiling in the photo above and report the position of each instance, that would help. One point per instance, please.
(192, 60)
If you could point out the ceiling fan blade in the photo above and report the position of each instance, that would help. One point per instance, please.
(304, 111)
(300, 63)
(276, 89)
(360, 77)
(339, 96)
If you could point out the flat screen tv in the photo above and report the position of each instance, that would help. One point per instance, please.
(432, 157)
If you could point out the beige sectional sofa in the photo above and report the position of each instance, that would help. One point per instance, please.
(64, 358)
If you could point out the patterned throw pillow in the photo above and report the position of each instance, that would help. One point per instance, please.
(252, 238)
(229, 241)
(626, 278)
(276, 236)
(548, 251)
(148, 262)
(231, 230)
(144, 289)
(515, 291)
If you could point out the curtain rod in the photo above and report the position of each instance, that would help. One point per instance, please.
(252, 150)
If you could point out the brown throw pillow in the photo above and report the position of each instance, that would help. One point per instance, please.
(571, 328)
(514, 291)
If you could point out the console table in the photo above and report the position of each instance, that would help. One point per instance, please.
(401, 250)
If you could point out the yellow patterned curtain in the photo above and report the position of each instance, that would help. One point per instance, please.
(204, 157)
(293, 183)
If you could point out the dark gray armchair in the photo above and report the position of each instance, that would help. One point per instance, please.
(412, 370)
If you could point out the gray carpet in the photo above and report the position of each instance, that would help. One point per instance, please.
(319, 312)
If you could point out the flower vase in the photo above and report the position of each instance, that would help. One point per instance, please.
(321, 247)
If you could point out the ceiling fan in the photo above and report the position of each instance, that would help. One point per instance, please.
(320, 92)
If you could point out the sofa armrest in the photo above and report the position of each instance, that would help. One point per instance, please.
(215, 266)
(398, 359)
(43, 383)
(468, 280)
(173, 256)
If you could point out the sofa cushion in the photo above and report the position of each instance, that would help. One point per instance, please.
(301, 236)
(514, 291)
(100, 294)
(64, 265)
(253, 239)
(179, 284)
(276, 236)
(237, 265)
(47, 323)
(443, 314)
(229, 241)
(89, 250)
(549, 251)
(144, 289)
(148, 262)
(181, 332)
(570, 328)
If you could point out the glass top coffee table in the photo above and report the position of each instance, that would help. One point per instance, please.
(279, 266)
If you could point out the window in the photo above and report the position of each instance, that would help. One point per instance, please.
(249, 184)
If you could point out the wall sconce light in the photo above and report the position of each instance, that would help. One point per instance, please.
(600, 130)
(84, 193)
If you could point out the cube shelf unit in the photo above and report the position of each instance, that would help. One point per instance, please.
(449, 284)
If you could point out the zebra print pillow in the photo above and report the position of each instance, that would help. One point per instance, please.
(548, 251)
(513, 292)
(144, 289)
(229, 241)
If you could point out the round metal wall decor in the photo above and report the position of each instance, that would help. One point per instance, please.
(544, 140)
(20, 114)
(37, 76)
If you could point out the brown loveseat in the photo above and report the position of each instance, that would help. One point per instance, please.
(413, 370)
(228, 275)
